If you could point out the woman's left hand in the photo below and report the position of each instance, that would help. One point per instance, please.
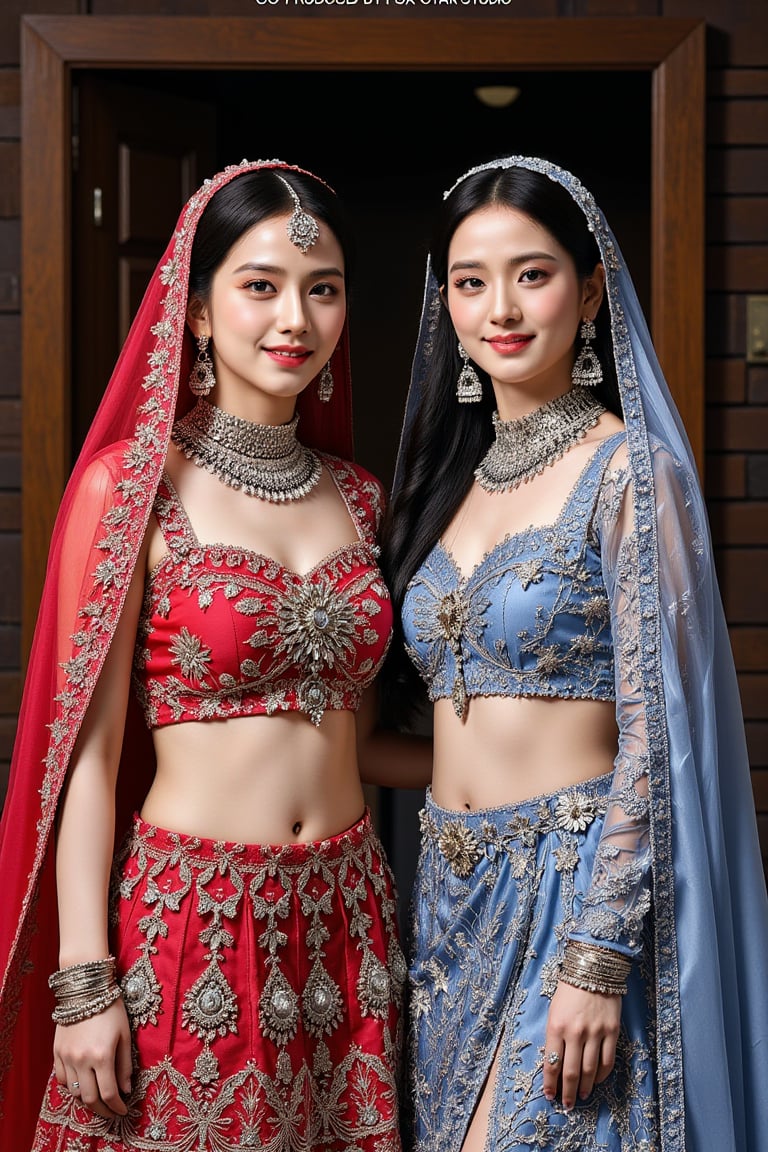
(582, 1030)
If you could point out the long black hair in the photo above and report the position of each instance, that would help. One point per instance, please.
(247, 201)
(447, 440)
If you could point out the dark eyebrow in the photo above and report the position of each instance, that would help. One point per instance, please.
(275, 269)
(331, 271)
(257, 268)
(524, 258)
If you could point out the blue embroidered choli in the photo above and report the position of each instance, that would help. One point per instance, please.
(552, 611)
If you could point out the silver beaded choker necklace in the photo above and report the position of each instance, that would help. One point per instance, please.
(523, 448)
(262, 460)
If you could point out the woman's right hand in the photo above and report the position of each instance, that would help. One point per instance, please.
(582, 1031)
(92, 1060)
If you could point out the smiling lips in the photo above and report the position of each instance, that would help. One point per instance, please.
(509, 345)
(289, 354)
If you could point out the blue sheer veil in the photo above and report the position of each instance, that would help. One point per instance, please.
(710, 906)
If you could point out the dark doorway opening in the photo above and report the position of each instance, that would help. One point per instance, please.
(421, 130)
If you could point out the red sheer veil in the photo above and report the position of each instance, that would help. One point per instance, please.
(94, 547)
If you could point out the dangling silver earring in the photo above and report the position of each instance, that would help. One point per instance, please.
(325, 384)
(468, 387)
(587, 371)
(201, 378)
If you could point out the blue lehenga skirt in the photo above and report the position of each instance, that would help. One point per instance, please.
(496, 893)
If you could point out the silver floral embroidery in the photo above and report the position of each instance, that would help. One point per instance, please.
(463, 846)
(574, 812)
(190, 654)
(452, 615)
(528, 572)
(460, 847)
(317, 626)
(452, 618)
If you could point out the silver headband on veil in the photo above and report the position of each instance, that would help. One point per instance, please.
(708, 879)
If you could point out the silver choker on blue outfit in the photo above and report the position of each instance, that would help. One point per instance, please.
(525, 447)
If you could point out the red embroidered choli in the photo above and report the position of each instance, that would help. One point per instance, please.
(225, 631)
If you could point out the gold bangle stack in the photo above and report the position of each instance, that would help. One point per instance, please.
(83, 990)
(595, 969)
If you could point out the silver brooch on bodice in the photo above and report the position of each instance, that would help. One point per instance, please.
(452, 617)
(317, 627)
(523, 448)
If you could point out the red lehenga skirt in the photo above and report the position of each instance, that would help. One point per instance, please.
(264, 987)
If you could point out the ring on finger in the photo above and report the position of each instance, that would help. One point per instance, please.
(553, 1058)
(75, 1085)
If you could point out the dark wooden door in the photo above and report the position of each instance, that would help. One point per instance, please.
(138, 154)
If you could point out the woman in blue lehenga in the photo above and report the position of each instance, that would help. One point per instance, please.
(590, 921)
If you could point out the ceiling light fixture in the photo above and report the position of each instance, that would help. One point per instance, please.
(497, 95)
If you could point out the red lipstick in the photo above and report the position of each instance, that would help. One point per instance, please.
(510, 344)
(290, 355)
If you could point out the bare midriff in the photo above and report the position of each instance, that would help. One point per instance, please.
(511, 749)
(257, 779)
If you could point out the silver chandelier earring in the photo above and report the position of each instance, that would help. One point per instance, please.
(325, 384)
(303, 230)
(587, 371)
(468, 387)
(201, 378)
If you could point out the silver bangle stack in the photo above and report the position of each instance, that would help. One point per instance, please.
(83, 990)
(595, 969)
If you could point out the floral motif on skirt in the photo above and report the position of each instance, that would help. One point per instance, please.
(496, 893)
(264, 987)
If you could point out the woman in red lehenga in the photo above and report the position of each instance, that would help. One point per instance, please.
(233, 977)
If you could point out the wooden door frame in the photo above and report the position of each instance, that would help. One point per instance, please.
(671, 50)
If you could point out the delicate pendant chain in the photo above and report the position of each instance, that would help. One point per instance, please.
(262, 460)
(523, 448)
(449, 544)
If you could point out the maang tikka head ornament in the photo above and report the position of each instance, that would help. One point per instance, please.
(302, 229)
